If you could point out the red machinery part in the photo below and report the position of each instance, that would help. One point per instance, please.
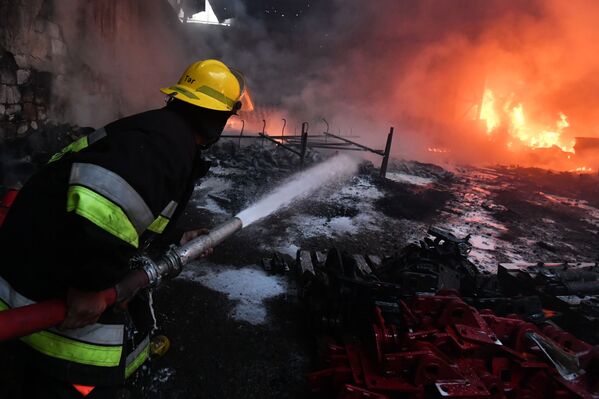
(446, 348)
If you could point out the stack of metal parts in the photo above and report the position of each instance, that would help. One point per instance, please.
(438, 346)
(408, 326)
(569, 290)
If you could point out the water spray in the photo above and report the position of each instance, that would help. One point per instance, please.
(25, 320)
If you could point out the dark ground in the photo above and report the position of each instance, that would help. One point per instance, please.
(513, 214)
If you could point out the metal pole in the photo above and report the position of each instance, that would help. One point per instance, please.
(327, 123)
(304, 143)
(385, 162)
(284, 124)
(241, 132)
(263, 131)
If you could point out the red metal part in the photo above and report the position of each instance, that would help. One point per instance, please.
(7, 201)
(446, 348)
(353, 392)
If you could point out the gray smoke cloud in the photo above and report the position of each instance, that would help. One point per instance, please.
(420, 66)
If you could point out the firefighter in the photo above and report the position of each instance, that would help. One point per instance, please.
(76, 223)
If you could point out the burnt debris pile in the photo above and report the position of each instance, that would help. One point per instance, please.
(426, 322)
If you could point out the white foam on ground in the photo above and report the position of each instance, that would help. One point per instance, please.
(220, 171)
(307, 226)
(289, 249)
(409, 179)
(249, 286)
(211, 185)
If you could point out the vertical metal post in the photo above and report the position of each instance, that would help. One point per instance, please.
(241, 132)
(304, 145)
(263, 131)
(327, 123)
(385, 162)
(284, 124)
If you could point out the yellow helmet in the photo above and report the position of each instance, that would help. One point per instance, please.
(209, 84)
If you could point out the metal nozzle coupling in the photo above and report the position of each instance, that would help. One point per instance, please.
(171, 264)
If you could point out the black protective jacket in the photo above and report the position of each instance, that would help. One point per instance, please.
(57, 234)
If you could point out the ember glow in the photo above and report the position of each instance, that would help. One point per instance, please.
(438, 150)
(582, 169)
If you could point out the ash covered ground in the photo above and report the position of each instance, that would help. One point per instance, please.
(238, 331)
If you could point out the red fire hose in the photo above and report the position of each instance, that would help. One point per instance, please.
(26, 320)
(22, 321)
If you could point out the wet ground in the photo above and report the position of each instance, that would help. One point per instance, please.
(237, 331)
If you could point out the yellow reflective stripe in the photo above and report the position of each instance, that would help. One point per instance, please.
(218, 96)
(138, 361)
(75, 146)
(67, 349)
(102, 212)
(159, 224)
(183, 91)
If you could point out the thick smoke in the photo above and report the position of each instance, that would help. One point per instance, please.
(120, 53)
(420, 66)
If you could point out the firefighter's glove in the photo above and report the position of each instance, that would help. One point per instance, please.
(190, 235)
(83, 308)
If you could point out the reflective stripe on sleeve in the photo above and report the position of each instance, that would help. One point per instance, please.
(116, 189)
(96, 345)
(102, 212)
(80, 144)
(102, 334)
(96, 136)
(162, 221)
(137, 357)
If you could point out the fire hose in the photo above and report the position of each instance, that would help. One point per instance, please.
(21, 321)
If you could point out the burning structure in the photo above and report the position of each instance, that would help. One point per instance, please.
(468, 85)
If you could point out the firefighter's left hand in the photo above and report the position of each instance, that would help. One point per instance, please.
(83, 308)
(190, 235)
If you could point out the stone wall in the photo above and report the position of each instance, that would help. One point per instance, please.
(33, 55)
(83, 61)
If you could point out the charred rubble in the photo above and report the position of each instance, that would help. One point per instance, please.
(426, 322)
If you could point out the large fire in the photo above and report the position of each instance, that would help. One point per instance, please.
(524, 132)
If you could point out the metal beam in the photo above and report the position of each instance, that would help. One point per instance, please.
(265, 136)
(379, 152)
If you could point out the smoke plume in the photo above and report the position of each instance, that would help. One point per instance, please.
(421, 66)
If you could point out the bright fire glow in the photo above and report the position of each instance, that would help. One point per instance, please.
(488, 113)
(438, 150)
(582, 169)
(528, 133)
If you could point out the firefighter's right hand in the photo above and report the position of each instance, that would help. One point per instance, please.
(83, 308)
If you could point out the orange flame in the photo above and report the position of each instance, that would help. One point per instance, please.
(438, 150)
(528, 133)
(582, 169)
(488, 113)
